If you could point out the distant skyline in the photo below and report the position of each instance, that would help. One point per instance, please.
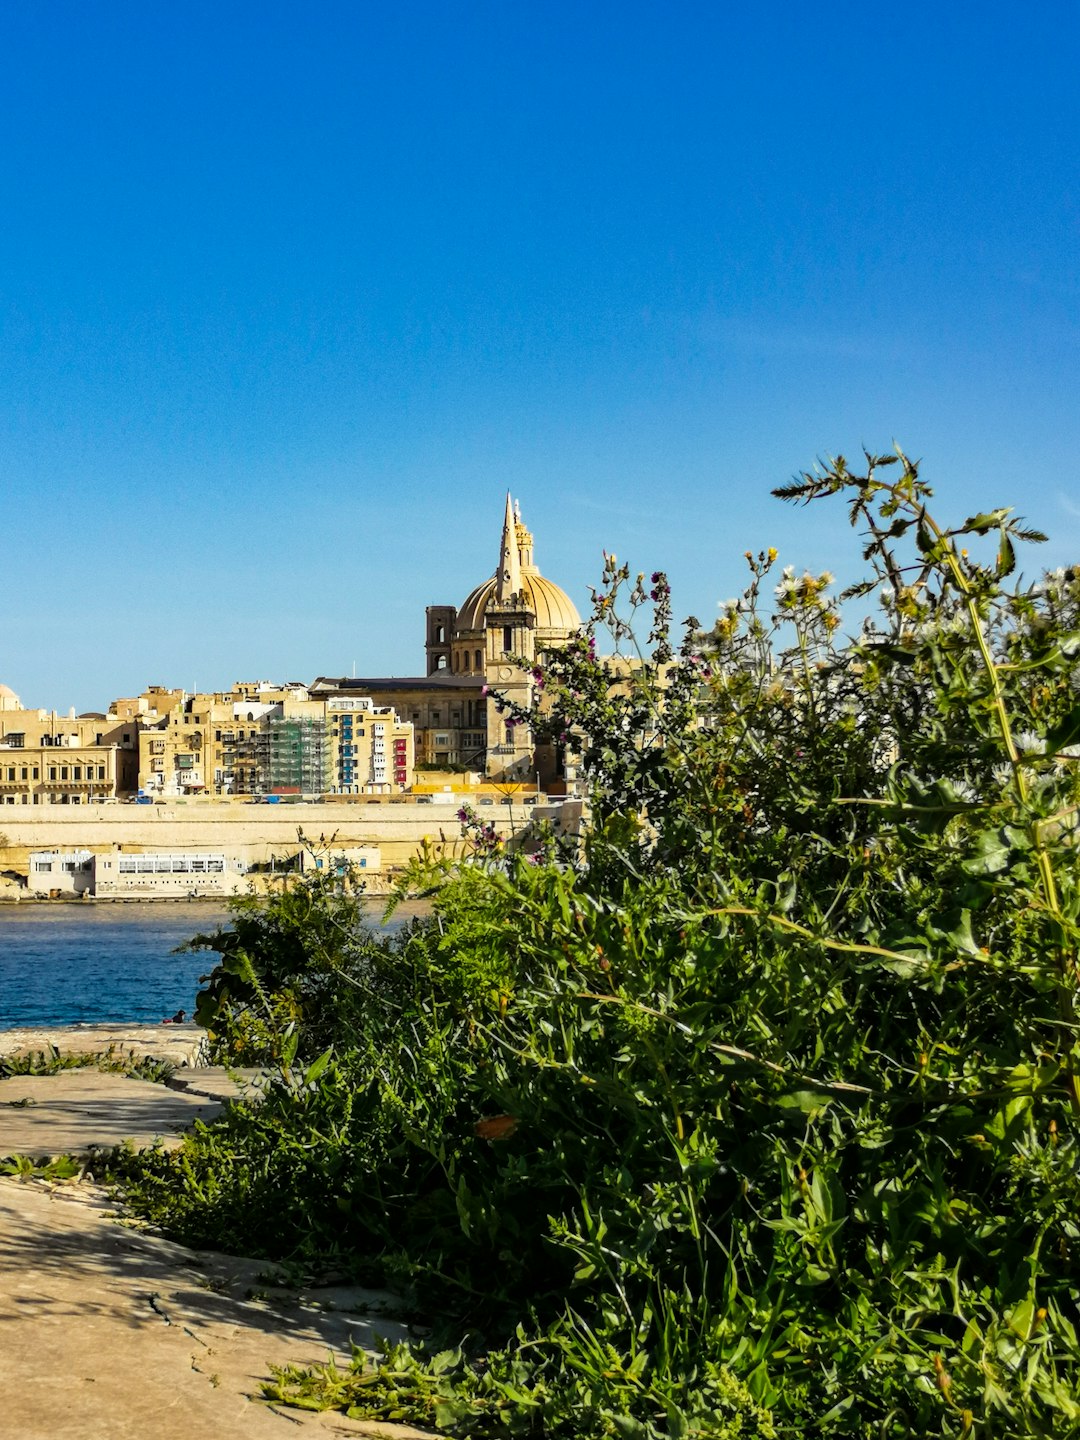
(290, 296)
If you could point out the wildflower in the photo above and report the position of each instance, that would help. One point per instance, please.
(1028, 743)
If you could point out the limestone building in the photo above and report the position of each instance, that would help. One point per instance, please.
(263, 739)
(52, 759)
(473, 652)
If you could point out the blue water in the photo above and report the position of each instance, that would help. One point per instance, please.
(69, 964)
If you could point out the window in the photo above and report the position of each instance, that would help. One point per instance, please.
(63, 772)
(36, 774)
(52, 772)
(22, 773)
(479, 659)
(509, 734)
(508, 639)
(76, 772)
(43, 867)
(11, 772)
(100, 773)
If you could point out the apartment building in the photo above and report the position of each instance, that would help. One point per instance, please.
(260, 739)
(51, 759)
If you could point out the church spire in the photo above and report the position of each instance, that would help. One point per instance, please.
(508, 578)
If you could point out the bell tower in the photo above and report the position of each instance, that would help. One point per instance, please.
(510, 635)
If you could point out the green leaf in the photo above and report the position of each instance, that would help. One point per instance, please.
(810, 1102)
(955, 927)
(980, 524)
(991, 854)
(316, 1068)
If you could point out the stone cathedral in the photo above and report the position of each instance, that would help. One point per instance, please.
(516, 613)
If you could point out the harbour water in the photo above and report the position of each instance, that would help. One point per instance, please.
(71, 964)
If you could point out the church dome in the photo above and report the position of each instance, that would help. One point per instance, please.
(553, 608)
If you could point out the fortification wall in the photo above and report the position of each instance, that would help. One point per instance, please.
(256, 834)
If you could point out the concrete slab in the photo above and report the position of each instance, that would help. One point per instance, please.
(76, 1112)
(182, 1045)
(109, 1333)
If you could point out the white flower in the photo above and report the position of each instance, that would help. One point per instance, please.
(1028, 743)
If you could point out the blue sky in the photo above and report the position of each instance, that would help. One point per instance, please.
(291, 295)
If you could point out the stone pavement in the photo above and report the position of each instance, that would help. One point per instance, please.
(77, 1112)
(108, 1332)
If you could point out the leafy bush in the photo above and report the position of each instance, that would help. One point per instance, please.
(755, 1113)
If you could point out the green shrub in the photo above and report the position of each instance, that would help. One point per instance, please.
(757, 1112)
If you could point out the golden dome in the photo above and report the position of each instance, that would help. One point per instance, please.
(553, 608)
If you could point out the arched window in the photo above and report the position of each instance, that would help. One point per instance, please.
(479, 659)
(441, 665)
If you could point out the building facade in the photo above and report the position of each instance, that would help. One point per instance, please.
(51, 759)
(260, 739)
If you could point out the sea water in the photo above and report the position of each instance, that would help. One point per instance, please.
(94, 963)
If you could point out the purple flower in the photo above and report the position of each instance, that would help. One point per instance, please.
(484, 690)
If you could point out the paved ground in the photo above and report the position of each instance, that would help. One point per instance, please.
(76, 1112)
(111, 1333)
